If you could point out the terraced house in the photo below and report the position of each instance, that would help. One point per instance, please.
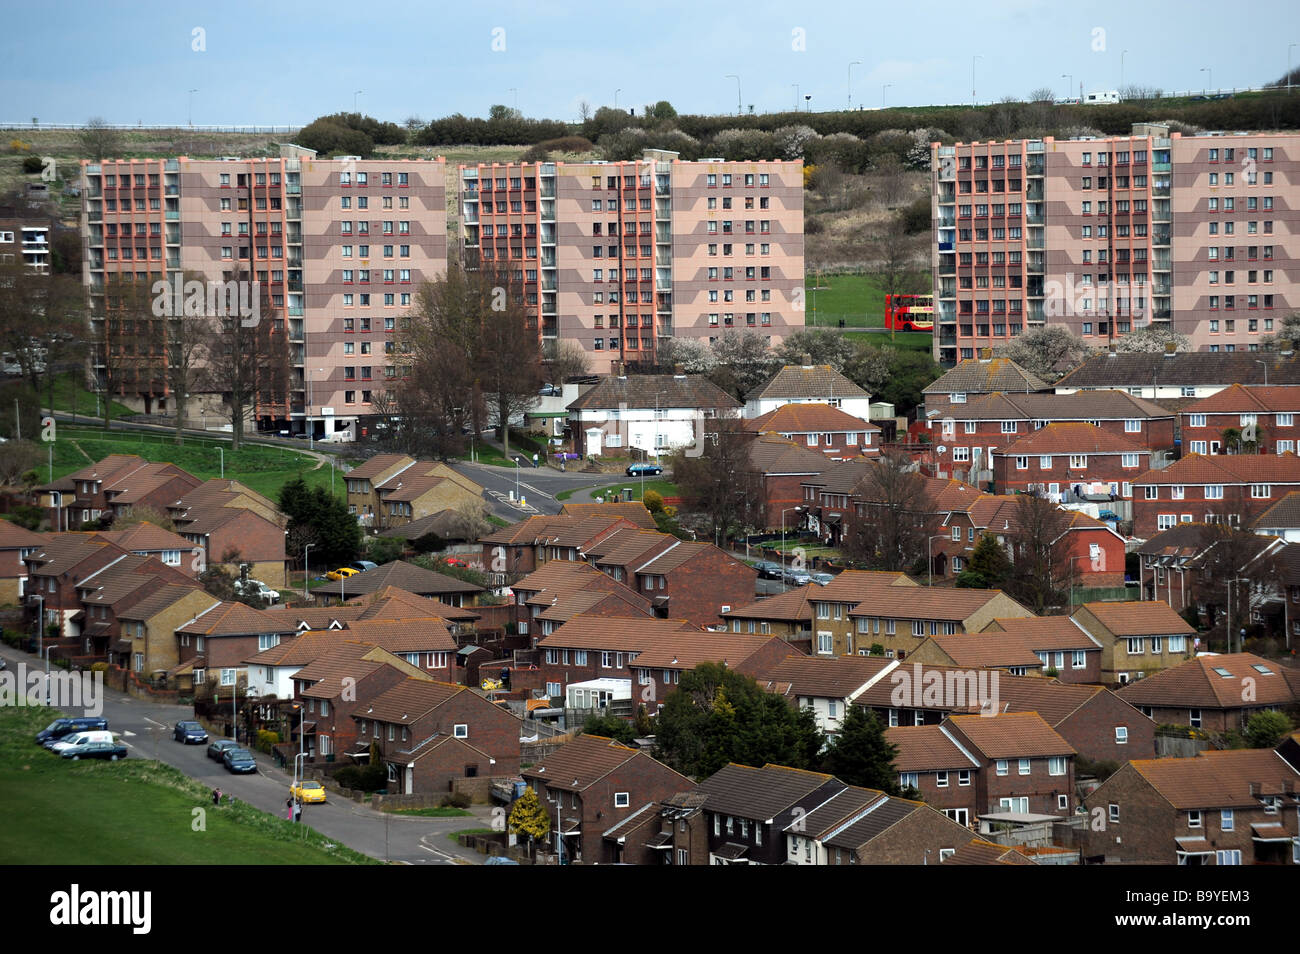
(1233, 489)
(1242, 419)
(1137, 638)
(1063, 461)
(392, 489)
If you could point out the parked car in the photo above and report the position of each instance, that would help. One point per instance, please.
(59, 728)
(821, 578)
(767, 570)
(95, 750)
(188, 732)
(342, 573)
(239, 760)
(257, 588)
(308, 791)
(79, 738)
(649, 470)
(796, 577)
(218, 747)
(364, 565)
(455, 561)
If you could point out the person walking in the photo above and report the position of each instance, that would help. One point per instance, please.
(216, 796)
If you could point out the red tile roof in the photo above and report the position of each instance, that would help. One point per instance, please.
(1234, 778)
(1214, 682)
(1140, 618)
(926, 748)
(1199, 469)
(807, 418)
(1237, 399)
(1021, 735)
(1071, 438)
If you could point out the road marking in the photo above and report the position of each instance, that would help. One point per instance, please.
(127, 735)
(160, 725)
(540, 493)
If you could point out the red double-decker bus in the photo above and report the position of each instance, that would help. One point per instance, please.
(909, 312)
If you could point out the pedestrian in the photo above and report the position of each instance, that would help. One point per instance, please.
(297, 810)
(288, 806)
(216, 796)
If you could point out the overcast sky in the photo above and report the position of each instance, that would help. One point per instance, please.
(286, 63)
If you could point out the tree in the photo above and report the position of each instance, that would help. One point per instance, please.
(568, 359)
(898, 260)
(663, 110)
(861, 755)
(127, 338)
(529, 817)
(1153, 339)
(188, 338)
(509, 357)
(719, 482)
(821, 345)
(1042, 564)
(323, 521)
(989, 566)
(246, 360)
(743, 362)
(909, 373)
(1047, 351)
(1265, 729)
(717, 715)
(897, 519)
(1042, 94)
(99, 140)
(1233, 566)
(471, 520)
(691, 354)
(610, 727)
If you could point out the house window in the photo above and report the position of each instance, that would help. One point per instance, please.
(1193, 819)
(1121, 735)
(1055, 765)
(461, 731)
(1113, 813)
(1232, 857)
(1002, 767)
(621, 799)
(941, 779)
(1024, 766)
(908, 780)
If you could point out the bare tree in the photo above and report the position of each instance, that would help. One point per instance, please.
(510, 367)
(719, 483)
(1233, 565)
(897, 516)
(898, 261)
(127, 340)
(1042, 564)
(247, 362)
(568, 359)
(1042, 94)
(471, 520)
(99, 140)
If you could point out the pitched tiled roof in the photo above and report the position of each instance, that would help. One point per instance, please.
(447, 524)
(883, 815)
(1140, 618)
(988, 650)
(408, 635)
(407, 701)
(760, 793)
(839, 810)
(409, 487)
(1072, 438)
(683, 552)
(103, 470)
(1227, 469)
(807, 381)
(624, 547)
(392, 602)
(1079, 406)
(1237, 399)
(1046, 633)
(163, 598)
(641, 391)
(1011, 735)
(805, 418)
(790, 606)
(633, 511)
(837, 677)
(1182, 540)
(950, 494)
(1183, 369)
(579, 764)
(978, 376)
(298, 650)
(616, 602)
(686, 650)
(378, 464)
(136, 485)
(944, 603)
(534, 529)
(1233, 778)
(318, 617)
(977, 851)
(14, 537)
(145, 536)
(1213, 682)
(237, 619)
(1285, 514)
(926, 748)
(854, 586)
(614, 633)
(349, 661)
(399, 574)
(843, 478)
(772, 454)
(63, 551)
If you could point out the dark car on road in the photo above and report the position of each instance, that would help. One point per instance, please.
(239, 761)
(649, 470)
(188, 732)
(95, 750)
(61, 727)
(767, 570)
(218, 747)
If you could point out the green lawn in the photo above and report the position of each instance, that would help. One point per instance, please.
(264, 469)
(443, 811)
(903, 340)
(72, 397)
(857, 299)
(133, 812)
(663, 488)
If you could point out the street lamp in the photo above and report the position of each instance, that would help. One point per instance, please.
(190, 114)
(973, 101)
(783, 513)
(1288, 67)
(354, 99)
(305, 574)
(40, 627)
(883, 90)
(929, 555)
(1069, 87)
(739, 108)
(1122, 54)
(616, 92)
(1209, 78)
(851, 65)
(1265, 365)
(1237, 579)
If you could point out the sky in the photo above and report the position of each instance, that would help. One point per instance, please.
(284, 63)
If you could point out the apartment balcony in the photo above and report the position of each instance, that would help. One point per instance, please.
(1160, 235)
(947, 221)
(1034, 219)
(1161, 288)
(1161, 314)
(947, 269)
(94, 215)
(1035, 240)
(173, 261)
(945, 246)
(172, 216)
(294, 284)
(548, 258)
(1160, 188)
(1161, 167)
(1034, 192)
(295, 310)
(1035, 166)
(293, 188)
(947, 339)
(1034, 268)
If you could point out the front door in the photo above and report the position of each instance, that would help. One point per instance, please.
(410, 780)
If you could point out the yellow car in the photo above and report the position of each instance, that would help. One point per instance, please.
(308, 791)
(342, 573)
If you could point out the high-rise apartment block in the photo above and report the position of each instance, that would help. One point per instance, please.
(1199, 233)
(621, 256)
(337, 247)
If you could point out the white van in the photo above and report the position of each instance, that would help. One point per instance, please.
(82, 738)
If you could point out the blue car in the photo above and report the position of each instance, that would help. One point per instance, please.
(649, 470)
(188, 732)
(239, 761)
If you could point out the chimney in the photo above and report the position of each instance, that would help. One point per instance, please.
(622, 371)
(986, 354)
(679, 374)
(1113, 350)
(1170, 348)
(806, 359)
(1285, 346)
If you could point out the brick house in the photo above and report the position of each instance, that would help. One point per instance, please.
(748, 810)
(147, 629)
(827, 499)
(1228, 807)
(932, 761)
(431, 733)
(1137, 638)
(86, 494)
(221, 638)
(782, 467)
(807, 383)
(229, 536)
(996, 421)
(975, 377)
(695, 581)
(1165, 570)
(1061, 459)
(54, 571)
(1006, 652)
(591, 784)
(658, 669)
(833, 602)
(1216, 693)
(153, 486)
(820, 428)
(599, 647)
(861, 826)
(1271, 411)
(562, 589)
(222, 493)
(900, 626)
(1281, 520)
(15, 544)
(633, 511)
(393, 489)
(1060, 644)
(1025, 765)
(1181, 374)
(332, 687)
(977, 851)
(519, 549)
(107, 593)
(1234, 489)
(619, 553)
(787, 615)
(828, 686)
(270, 672)
(406, 577)
(424, 642)
(147, 539)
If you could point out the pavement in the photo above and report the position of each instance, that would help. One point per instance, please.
(146, 728)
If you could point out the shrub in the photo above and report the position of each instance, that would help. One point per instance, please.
(654, 501)
(266, 740)
(428, 543)
(99, 667)
(27, 516)
(33, 164)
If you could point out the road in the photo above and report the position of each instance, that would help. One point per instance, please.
(146, 728)
(537, 486)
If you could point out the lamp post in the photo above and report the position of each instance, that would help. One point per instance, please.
(851, 65)
(1209, 78)
(354, 98)
(929, 555)
(1288, 68)
(1236, 579)
(739, 108)
(783, 513)
(973, 101)
(305, 574)
(189, 116)
(40, 627)
(883, 90)
(1069, 86)
(1265, 366)
(1122, 54)
(796, 96)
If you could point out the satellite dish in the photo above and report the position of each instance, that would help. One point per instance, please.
(942, 449)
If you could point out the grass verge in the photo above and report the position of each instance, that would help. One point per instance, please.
(663, 488)
(442, 811)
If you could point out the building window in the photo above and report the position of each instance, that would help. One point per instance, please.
(621, 799)
(461, 730)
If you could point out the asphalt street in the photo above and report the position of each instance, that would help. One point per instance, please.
(146, 728)
(537, 486)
